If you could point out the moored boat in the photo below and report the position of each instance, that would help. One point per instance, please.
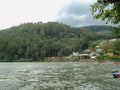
(116, 74)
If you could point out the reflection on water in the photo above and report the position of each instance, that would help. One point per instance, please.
(58, 76)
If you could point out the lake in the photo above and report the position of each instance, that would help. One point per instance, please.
(58, 76)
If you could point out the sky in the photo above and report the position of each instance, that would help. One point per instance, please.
(71, 12)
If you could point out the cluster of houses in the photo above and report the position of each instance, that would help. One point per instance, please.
(90, 53)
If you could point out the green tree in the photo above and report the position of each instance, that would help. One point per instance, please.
(105, 46)
(107, 10)
(116, 47)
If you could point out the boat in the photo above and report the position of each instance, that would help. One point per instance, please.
(116, 74)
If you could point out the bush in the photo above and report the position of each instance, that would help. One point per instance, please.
(113, 58)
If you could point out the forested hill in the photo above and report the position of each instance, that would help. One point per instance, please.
(36, 41)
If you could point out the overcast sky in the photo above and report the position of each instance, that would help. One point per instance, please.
(71, 12)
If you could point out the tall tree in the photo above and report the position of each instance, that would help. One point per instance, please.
(108, 11)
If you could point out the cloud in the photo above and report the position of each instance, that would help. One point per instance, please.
(15, 12)
(71, 12)
(78, 13)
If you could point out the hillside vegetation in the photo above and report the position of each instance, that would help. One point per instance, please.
(36, 41)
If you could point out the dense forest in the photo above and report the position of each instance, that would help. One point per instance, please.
(36, 41)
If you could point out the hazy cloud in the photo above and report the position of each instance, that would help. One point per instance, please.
(77, 14)
(72, 12)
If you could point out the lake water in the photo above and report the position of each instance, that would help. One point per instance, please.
(58, 76)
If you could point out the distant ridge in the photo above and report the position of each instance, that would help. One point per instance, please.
(98, 28)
